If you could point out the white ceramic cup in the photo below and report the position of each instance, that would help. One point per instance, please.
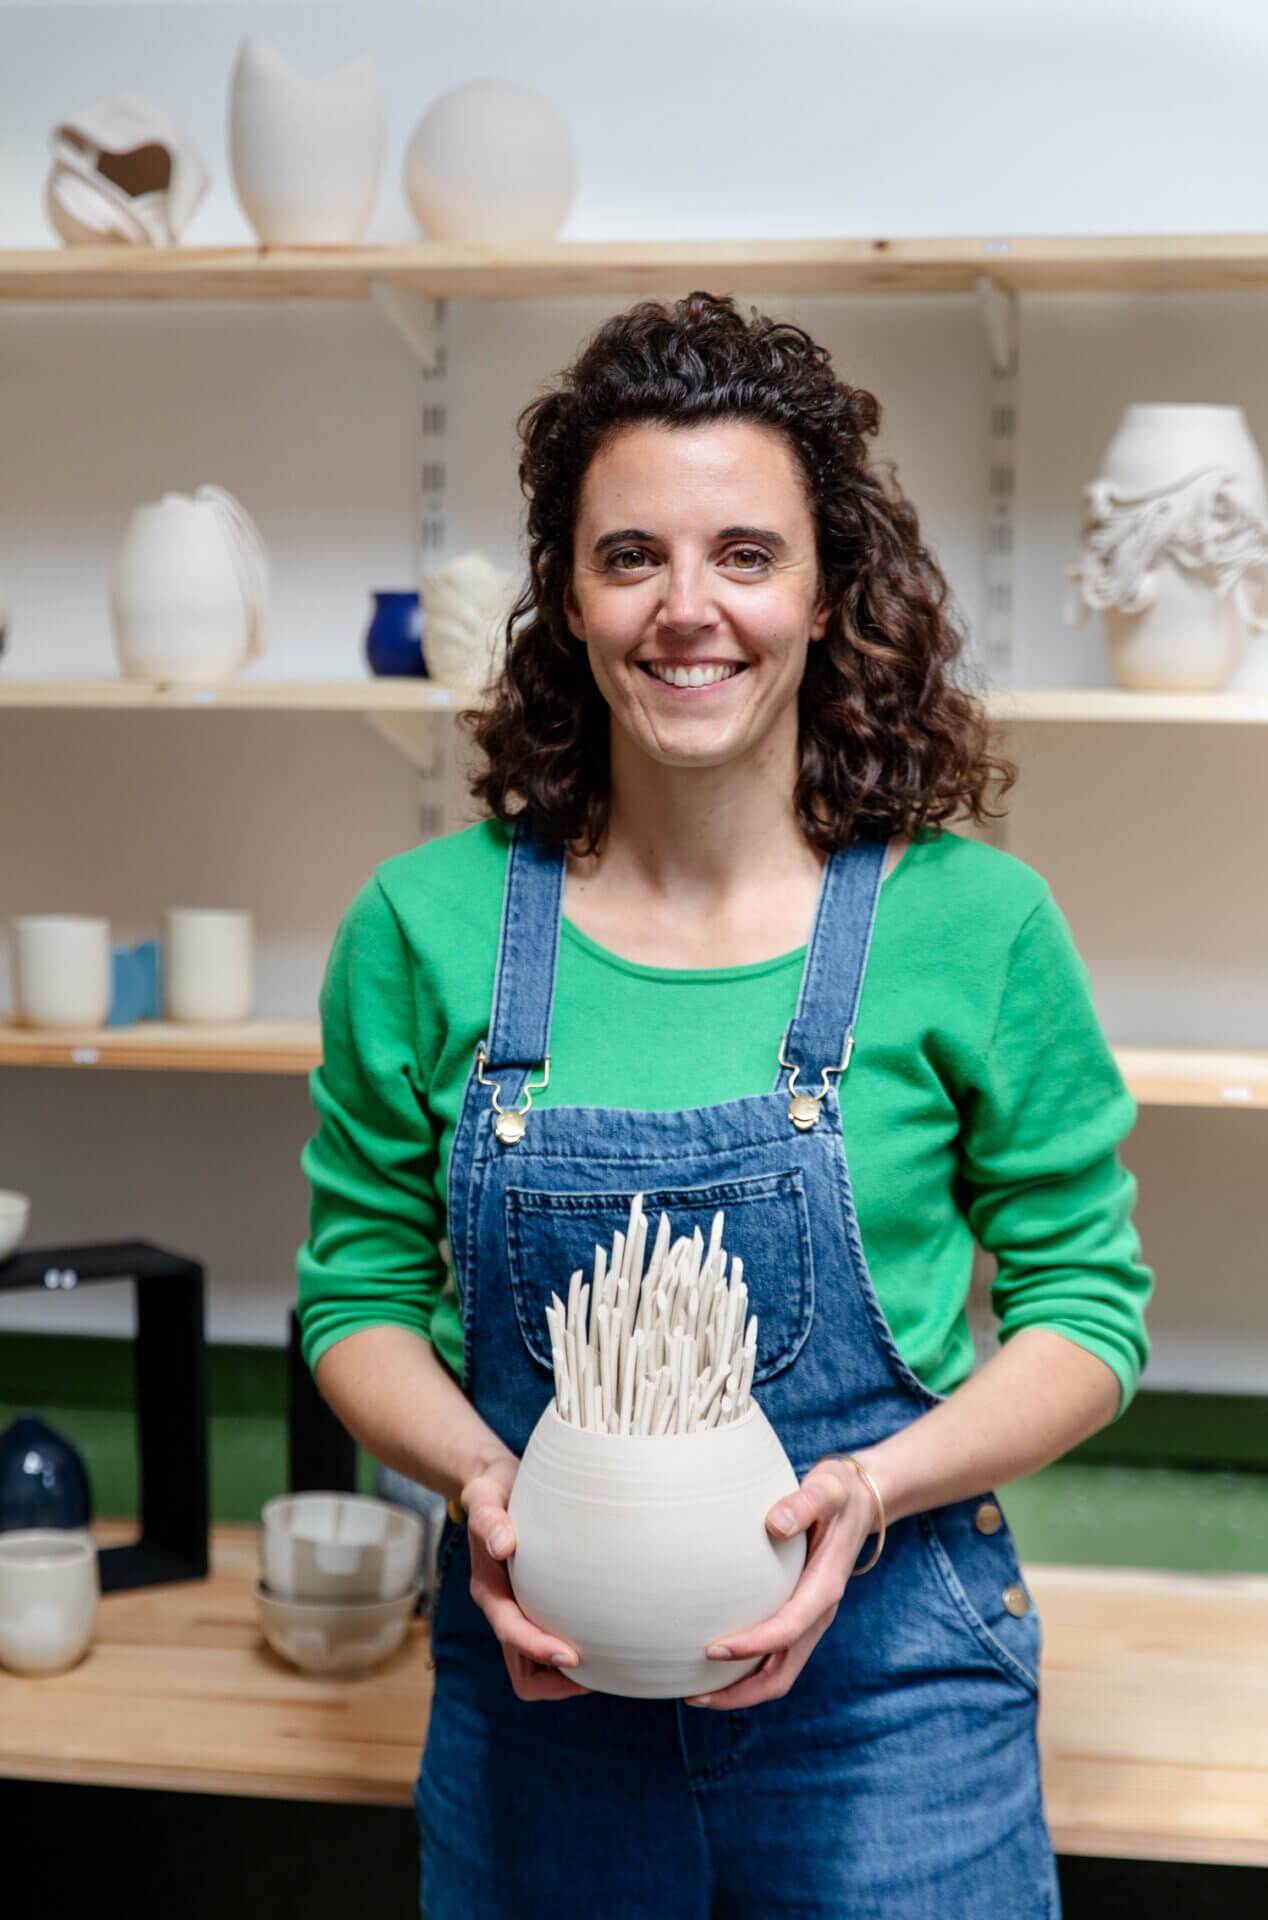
(61, 970)
(49, 1586)
(207, 965)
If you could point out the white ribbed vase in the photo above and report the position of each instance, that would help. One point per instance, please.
(640, 1550)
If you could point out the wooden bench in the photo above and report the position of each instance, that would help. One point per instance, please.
(1154, 1726)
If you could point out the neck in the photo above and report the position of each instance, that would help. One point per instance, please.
(699, 835)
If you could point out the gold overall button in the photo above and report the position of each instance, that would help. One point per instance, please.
(988, 1518)
(1017, 1600)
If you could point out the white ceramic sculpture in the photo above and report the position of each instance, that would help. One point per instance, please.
(490, 163)
(306, 149)
(189, 590)
(465, 610)
(122, 171)
(641, 1549)
(1175, 547)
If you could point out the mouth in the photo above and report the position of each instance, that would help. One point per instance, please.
(677, 674)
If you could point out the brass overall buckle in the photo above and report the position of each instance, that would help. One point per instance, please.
(804, 1108)
(509, 1124)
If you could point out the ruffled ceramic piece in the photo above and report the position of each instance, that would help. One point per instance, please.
(306, 149)
(1175, 547)
(122, 171)
(189, 590)
(465, 608)
(490, 163)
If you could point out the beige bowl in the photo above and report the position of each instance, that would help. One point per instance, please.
(334, 1636)
(339, 1546)
(15, 1213)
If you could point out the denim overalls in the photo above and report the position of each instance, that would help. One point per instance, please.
(899, 1778)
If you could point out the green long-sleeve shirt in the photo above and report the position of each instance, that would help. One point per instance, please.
(981, 1101)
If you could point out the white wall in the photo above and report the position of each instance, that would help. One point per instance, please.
(690, 120)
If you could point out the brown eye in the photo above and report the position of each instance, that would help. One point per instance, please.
(753, 554)
(624, 553)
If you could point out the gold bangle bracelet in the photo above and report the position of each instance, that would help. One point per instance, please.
(456, 1511)
(875, 1492)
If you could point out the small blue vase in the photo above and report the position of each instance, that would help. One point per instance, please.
(43, 1480)
(394, 637)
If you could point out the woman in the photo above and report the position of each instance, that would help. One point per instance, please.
(720, 760)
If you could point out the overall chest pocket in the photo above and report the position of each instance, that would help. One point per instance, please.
(550, 1235)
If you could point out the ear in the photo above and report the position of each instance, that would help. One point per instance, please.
(572, 614)
(819, 624)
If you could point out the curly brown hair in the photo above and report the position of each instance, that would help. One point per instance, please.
(889, 743)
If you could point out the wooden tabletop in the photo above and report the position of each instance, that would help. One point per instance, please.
(1154, 1727)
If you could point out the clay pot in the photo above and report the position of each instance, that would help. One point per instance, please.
(641, 1550)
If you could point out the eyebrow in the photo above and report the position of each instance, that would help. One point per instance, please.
(767, 535)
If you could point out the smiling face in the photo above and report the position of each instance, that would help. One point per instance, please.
(695, 591)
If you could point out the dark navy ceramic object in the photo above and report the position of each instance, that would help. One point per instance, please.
(43, 1480)
(393, 641)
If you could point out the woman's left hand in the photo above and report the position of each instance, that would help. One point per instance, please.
(834, 1506)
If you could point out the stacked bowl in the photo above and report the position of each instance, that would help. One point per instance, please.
(339, 1579)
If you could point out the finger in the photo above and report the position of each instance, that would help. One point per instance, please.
(770, 1681)
(821, 1494)
(531, 1681)
(492, 1594)
(811, 1609)
(489, 1523)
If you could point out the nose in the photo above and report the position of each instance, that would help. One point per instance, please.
(687, 606)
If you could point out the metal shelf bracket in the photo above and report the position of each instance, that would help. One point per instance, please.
(1000, 309)
(417, 317)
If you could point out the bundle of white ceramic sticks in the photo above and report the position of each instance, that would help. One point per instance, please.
(662, 1351)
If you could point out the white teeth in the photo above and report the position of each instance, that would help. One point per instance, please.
(691, 676)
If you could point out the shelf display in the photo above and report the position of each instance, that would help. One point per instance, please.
(1175, 547)
(122, 172)
(490, 163)
(189, 590)
(306, 150)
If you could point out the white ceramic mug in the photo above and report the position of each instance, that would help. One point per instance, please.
(207, 965)
(49, 1586)
(61, 970)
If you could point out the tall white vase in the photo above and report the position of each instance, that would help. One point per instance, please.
(1175, 547)
(639, 1550)
(306, 149)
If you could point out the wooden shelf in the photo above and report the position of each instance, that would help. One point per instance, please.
(1157, 1076)
(388, 695)
(1118, 705)
(1021, 263)
(1153, 1727)
(409, 696)
(259, 1046)
(1189, 1077)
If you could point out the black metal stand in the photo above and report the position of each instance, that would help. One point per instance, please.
(323, 1454)
(171, 1399)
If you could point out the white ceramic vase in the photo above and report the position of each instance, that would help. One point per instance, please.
(1175, 547)
(189, 590)
(490, 163)
(62, 975)
(640, 1550)
(208, 965)
(466, 606)
(306, 149)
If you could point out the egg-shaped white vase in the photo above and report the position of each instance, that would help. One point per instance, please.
(490, 163)
(1175, 547)
(306, 149)
(640, 1550)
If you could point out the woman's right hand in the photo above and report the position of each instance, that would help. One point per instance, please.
(534, 1658)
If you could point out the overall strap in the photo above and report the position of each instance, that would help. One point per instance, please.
(820, 1033)
(528, 954)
